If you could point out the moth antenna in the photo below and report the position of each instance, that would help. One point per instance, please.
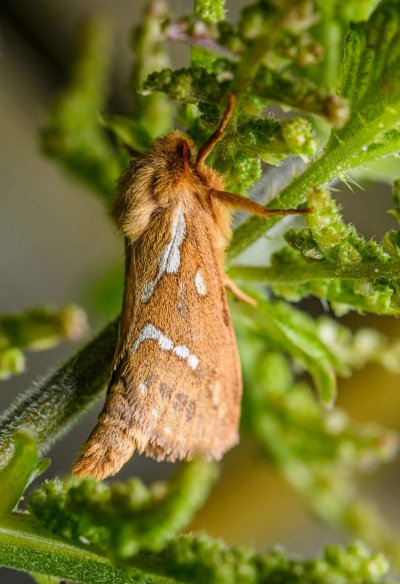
(105, 452)
(209, 144)
(239, 202)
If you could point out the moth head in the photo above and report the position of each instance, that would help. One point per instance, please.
(175, 153)
(152, 182)
(174, 157)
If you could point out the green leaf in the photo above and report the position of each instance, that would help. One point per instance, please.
(36, 329)
(320, 453)
(43, 579)
(188, 559)
(16, 475)
(73, 134)
(12, 362)
(296, 334)
(396, 199)
(210, 10)
(314, 355)
(371, 84)
(126, 130)
(43, 327)
(24, 546)
(385, 170)
(122, 519)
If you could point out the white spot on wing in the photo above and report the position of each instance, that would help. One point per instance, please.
(165, 343)
(167, 430)
(170, 259)
(154, 413)
(182, 351)
(143, 387)
(148, 291)
(200, 284)
(150, 332)
(193, 362)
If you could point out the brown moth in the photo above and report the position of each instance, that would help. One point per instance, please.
(175, 387)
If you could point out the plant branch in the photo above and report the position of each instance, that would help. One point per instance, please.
(36, 329)
(191, 559)
(152, 114)
(123, 519)
(306, 271)
(73, 134)
(319, 172)
(43, 327)
(54, 404)
(371, 85)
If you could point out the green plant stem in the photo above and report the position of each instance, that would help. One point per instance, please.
(24, 546)
(152, 113)
(339, 157)
(329, 33)
(49, 408)
(305, 272)
(42, 327)
(250, 63)
(319, 172)
(73, 134)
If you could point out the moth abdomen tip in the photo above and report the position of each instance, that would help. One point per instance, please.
(94, 466)
(104, 453)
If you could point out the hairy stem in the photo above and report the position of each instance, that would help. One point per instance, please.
(339, 157)
(305, 272)
(54, 404)
(319, 172)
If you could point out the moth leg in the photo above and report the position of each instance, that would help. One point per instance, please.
(239, 202)
(238, 292)
(209, 144)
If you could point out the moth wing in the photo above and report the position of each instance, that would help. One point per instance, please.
(176, 386)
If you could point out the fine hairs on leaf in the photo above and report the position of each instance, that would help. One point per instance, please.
(317, 89)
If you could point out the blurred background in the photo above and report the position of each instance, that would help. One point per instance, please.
(57, 245)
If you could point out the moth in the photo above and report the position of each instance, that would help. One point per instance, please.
(175, 387)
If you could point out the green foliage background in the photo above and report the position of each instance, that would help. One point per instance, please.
(334, 68)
